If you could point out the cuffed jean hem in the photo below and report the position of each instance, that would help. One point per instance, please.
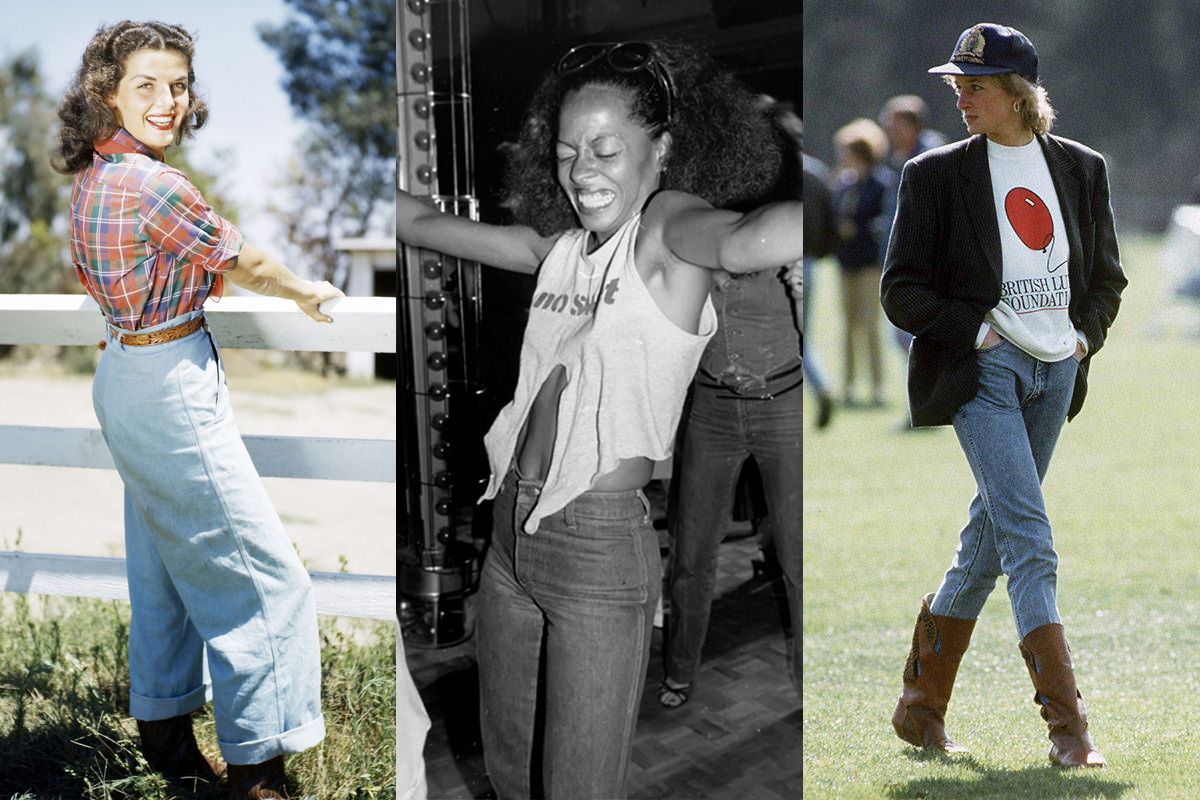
(149, 709)
(293, 741)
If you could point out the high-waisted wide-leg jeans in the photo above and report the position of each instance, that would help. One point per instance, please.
(210, 568)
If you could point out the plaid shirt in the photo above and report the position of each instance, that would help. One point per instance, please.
(144, 243)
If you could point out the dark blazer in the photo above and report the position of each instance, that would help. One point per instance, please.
(943, 267)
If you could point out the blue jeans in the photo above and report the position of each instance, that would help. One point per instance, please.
(211, 571)
(565, 617)
(720, 434)
(1008, 432)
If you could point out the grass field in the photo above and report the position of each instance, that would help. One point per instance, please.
(882, 512)
(64, 694)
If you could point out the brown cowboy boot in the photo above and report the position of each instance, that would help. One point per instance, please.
(1049, 661)
(937, 647)
(257, 781)
(169, 746)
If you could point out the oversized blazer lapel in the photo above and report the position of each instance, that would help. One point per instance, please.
(980, 205)
(1065, 173)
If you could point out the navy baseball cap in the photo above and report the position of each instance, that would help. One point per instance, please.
(991, 49)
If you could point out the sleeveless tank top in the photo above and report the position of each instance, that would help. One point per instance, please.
(627, 368)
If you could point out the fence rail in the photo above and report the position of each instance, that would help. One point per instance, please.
(365, 324)
(361, 324)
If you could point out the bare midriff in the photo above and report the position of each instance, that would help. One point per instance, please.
(535, 443)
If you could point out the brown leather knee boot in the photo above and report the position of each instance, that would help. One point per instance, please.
(938, 646)
(169, 746)
(262, 781)
(1048, 659)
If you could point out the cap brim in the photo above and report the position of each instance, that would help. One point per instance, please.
(951, 68)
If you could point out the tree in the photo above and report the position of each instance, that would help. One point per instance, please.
(32, 247)
(33, 251)
(211, 183)
(340, 63)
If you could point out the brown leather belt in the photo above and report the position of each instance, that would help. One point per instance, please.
(163, 336)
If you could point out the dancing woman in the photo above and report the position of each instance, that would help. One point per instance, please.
(628, 151)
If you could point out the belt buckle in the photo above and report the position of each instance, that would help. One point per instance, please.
(747, 388)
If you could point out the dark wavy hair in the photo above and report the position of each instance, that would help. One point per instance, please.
(86, 117)
(724, 147)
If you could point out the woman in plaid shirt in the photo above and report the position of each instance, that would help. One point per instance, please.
(211, 571)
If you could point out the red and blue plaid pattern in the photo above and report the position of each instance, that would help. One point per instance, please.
(144, 243)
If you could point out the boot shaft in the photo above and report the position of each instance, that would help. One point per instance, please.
(1048, 659)
(937, 648)
(938, 645)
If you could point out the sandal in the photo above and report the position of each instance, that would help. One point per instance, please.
(673, 696)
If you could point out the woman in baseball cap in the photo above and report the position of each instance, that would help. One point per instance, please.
(1003, 264)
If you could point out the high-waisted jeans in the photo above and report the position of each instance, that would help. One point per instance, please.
(1008, 432)
(211, 571)
(564, 623)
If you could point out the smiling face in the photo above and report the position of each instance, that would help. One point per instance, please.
(987, 108)
(607, 163)
(151, 99)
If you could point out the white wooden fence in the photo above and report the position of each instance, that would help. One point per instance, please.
(362, 324)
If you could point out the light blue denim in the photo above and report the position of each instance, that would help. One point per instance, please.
(563, 641)
(1008, 432)
(211, 572)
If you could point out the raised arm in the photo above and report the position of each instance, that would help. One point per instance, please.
(769, 236)
(512, 247)
(262, 273)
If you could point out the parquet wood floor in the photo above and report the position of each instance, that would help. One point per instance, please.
(737, 738)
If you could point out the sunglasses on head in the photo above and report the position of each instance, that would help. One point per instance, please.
(623, 57)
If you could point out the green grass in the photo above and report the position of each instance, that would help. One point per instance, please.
(882, 511)
(64, 692)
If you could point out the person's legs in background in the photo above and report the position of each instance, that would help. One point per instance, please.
(706, 475)
(868, 301)
(776, 441)
(814, 366)
(850, 334)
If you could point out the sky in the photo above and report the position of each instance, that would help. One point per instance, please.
(237, 74)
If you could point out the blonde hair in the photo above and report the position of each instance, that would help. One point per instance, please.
(1033, 102)
(1031, 99)
(864, 138)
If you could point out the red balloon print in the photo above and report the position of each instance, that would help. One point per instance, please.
(1029, 217)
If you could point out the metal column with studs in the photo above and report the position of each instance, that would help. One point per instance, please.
(440, 305)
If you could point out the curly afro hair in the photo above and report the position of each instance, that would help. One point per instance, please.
(724, 145)
(86, 117)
